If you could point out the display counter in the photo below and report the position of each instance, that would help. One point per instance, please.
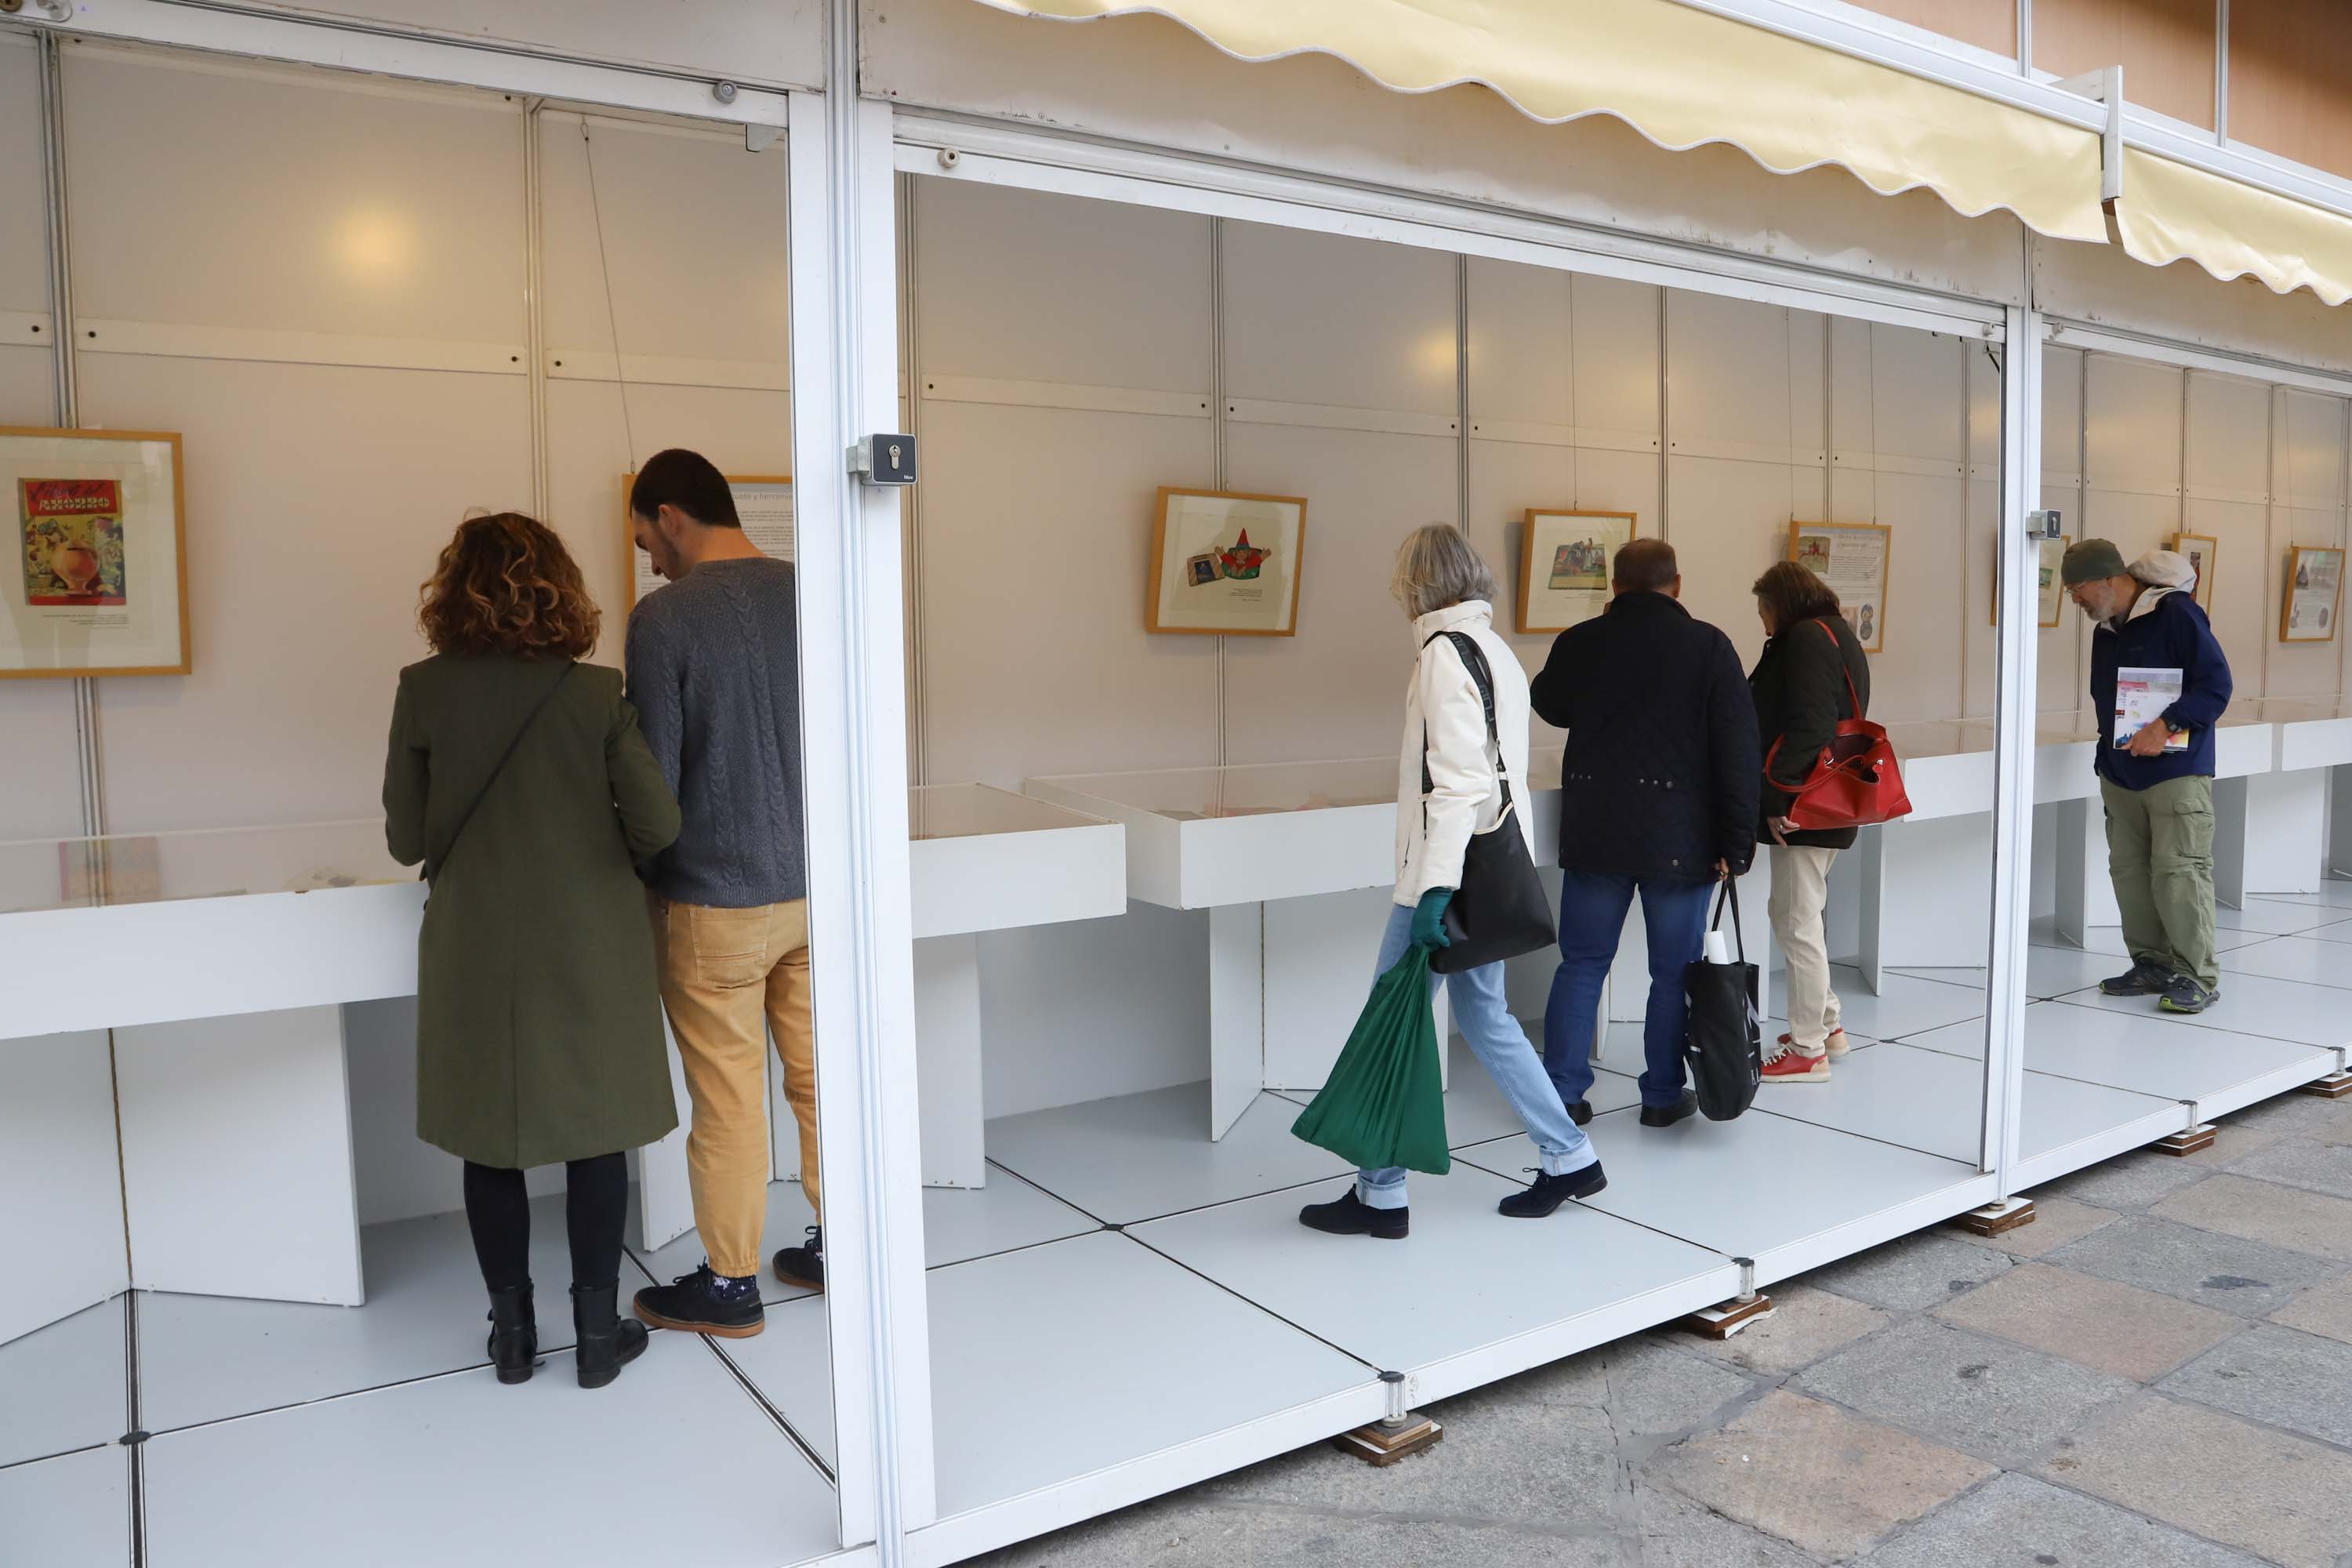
(2290, 800)
(986, 859)
(1296, 864)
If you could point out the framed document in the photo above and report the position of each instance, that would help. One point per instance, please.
(2050, 589)
(1564, 565)
(99, 584)
(1851, 557)
(1224, 563)
(2314, 593)
(764, 502)
(2200, 549)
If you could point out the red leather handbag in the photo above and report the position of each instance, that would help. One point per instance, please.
(1855, 781)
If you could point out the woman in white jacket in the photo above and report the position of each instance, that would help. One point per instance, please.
(1446, 588)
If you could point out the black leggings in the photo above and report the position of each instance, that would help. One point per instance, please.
(596, 1197)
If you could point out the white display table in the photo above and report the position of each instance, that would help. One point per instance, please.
(173, 1003)
(1296, 863)
(2290, 853)
(986, 859)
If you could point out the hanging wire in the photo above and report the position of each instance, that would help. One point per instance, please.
(605, 270)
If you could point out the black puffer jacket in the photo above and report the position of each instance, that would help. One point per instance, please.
(1800, 686)
(1662, 772)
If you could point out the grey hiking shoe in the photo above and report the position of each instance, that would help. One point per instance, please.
(2142, 979)
(2185, 995)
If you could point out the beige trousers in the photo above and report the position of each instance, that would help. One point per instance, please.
(1801, 888)
(730, 977)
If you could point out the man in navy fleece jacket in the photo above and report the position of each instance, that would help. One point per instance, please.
(2158, 793)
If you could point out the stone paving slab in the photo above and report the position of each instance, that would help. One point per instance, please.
(1805, 1325)
(2280, 1497)
(2056, 1221)
(1816, 1476)
(2291, 1217)
(1679, 1534)
(2228, 1273)
(2016, 1522)
(1984, 1396)
(2321, 1310)
(1171, 1533)
(2304, 1115)
(2279, 1377)
(2114, 1328)
(2301, 1163)
(1655, 1390)
(1922, 1270)
(2232, 1142)
(2133, 1181)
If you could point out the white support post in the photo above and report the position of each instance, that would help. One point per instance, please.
(1236, 1012)
(2013, 760)
(845, 323)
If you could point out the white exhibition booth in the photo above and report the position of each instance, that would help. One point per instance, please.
(1093, 906)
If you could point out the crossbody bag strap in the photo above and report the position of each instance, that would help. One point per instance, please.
(433, 863)
(1474, 659)
(1853, 698)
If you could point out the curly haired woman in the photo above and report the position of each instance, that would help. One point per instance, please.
(517, 776)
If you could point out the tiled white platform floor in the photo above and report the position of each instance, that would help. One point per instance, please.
(64, 1387)
(71, 1510)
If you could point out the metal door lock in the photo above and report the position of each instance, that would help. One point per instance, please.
(2045, 525)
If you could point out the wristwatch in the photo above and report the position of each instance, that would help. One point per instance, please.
(2172, 728)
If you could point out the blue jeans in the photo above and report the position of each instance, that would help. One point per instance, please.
(1591, 918)
(1503, 1050)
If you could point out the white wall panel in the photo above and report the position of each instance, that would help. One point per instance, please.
(2229, 468)
(1024, 287)
(1318, 318)
(1035, 659)
(2065, 646)
(1617, 355)
(1047, 993)
(318, 499)
(24, 239)
(373, 212)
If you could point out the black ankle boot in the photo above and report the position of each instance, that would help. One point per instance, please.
(514, 1334)
(607, 1341)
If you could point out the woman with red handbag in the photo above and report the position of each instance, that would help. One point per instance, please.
(1812, 675)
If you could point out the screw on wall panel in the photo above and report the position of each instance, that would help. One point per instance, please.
(949, 157)
(723, 91)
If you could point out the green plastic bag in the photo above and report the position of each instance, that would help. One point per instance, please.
(1384, 1105)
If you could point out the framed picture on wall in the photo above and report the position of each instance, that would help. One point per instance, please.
(763, 501)
(98, 584)
(1564, 560)
(1225, 563)
(2049, 590)
(1851, 557)
(2314, 594)
(2200, 549)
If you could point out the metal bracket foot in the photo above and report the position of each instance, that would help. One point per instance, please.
(1993, 1219)
(2335, 1086)
(1398, 1434)
(2198, 1137)
(1726, 1318)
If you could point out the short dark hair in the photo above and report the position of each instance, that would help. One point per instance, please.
(1644, 564)
(1795, 593)
(688, 482)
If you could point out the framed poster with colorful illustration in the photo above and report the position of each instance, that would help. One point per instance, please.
(2314, 594)
(97, 579)
(1564, 565)
(763, 504)
(2200, 549)
(1226, 564)
(1851, 557)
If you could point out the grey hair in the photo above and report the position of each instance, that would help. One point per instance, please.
(1438, 568)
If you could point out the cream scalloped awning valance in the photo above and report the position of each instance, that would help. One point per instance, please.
(1683, 78)
(2169, 210)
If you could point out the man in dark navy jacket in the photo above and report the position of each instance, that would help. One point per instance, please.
(1658, 795)
(2155, 776)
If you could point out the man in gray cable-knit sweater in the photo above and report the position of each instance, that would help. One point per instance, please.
(714, 671)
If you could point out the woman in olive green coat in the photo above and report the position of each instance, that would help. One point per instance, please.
(517, 776)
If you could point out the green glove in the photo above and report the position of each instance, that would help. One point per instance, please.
(1429, 920)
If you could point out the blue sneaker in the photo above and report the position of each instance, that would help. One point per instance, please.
(704, 1302)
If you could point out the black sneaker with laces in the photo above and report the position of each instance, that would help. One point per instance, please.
(1667, 1115)
(705, 1302)
(2185, 995)
(1549, 1192)
(803, 1266)
(2142, 979)
(1351, 1216)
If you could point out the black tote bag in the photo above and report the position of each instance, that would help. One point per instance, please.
(1500, 911)
(1724, 1041)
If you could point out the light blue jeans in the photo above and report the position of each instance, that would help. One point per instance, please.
(1503, 1050)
